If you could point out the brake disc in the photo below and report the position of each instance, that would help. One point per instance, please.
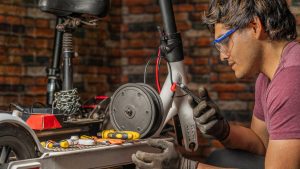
(136, 107)
(157, 100)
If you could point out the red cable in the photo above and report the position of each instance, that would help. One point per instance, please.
(157, 72)
(101, 97)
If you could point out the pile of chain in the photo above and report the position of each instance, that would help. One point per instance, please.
(67, 101)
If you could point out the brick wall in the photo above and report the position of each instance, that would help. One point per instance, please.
(26, 42)
(113, 53)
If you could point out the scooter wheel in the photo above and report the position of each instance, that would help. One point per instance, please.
(15, 144)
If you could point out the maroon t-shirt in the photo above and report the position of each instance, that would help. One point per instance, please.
(277, 102)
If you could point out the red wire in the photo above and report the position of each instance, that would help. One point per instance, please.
(101, 97)
(157, 72)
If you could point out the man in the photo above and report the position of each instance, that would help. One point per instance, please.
(254, 37)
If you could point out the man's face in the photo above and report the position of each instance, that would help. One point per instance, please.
(243, 51)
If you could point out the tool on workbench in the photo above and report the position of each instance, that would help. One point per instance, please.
(64, 144)
(52, 144)
(88, 137)
(124, 135)
(110, 141)
(86, 142)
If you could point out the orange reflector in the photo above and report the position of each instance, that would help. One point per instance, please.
(43, 122)
(173, 87)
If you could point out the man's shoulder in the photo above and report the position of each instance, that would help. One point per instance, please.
(285, 83)
(291, 55)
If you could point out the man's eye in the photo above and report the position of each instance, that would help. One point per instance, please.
(225, 41)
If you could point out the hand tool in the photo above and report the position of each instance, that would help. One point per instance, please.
(189, 92)
(125, 135)
(110, 141)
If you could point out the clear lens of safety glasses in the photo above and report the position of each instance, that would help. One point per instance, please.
(221, 48)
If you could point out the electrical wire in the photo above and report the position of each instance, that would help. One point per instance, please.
(145, 71)
(170, 71)
(157, 71)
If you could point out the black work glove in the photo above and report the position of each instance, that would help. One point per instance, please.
(169, 158)
(208, 117)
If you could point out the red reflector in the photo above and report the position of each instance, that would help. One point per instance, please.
(43, 121)
(173, 87)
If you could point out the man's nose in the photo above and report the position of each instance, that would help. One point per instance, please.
(223, 56)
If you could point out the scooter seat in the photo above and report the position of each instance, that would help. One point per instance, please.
(98, 8)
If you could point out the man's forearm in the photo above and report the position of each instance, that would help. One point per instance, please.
(205, 166)
(244, 139)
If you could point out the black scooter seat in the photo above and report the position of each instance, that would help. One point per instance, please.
(98, 8)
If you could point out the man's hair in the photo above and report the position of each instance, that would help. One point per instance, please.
(275, 16)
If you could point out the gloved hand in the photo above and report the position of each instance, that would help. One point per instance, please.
(208, 118)
(169, 158)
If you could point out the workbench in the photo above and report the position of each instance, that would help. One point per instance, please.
(91, 157)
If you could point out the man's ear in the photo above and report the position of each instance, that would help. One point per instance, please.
(257, 28)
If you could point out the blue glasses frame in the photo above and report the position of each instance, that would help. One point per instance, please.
(226, 35)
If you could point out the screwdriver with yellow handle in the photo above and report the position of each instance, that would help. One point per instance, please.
(124, 135)
(51, 144)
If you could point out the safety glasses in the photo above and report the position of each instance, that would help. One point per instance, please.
(222, 42)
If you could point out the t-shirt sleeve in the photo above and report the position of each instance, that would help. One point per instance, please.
(283, 103)
(258, 109)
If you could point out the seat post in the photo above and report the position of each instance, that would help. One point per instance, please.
(53, 72)
(67, 100)
(68, 55)
(67, 28)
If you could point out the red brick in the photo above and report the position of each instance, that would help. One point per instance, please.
(42, 52)
(12, 80)
(246, 96)
(137, 53)
(5, 100)
(29, 22)
(10, 70)
(136, 10)
(137, 2)
(203, 41)
(200, 69)
(14, 20)
(182, 16)
(42, 23)
(152, 9)
(36, 90)
(201, 7)
(34, 81)
(227, 77)
(12, 10)
(2, 19)
(227, 96)
(196, 16)
(137, 61)
(184, 8)
(298, 20)
(222, 68)
(200, 61)
(188, 60)
(229, 87)
(183, 26)
(49, 33)
(41, 43)
(32, 98)
(116, 2)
